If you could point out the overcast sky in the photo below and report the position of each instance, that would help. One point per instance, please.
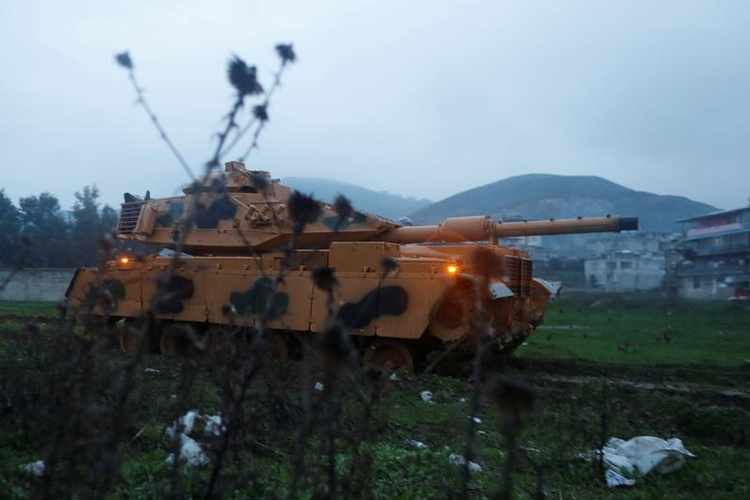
(419, 98)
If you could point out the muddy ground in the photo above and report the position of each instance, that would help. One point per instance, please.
(587, 373)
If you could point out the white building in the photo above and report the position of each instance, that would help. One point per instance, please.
(625, 270)
(712, 261)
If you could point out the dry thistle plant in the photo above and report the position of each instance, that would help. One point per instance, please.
(308, 416)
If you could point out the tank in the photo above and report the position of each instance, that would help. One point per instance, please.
(403, 292)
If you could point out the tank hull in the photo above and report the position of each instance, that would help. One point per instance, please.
(428, 299)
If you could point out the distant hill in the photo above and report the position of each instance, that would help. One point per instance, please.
(545, 195)
(382, 203)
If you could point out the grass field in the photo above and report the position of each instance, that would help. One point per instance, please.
(27, 309)
(572, 366)
(631, 330)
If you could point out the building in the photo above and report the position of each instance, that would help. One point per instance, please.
(625, 271)
(712, 260)
(529, 244)
(590, 246)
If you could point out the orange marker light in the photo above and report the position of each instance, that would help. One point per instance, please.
(452, 269)
(124, 260)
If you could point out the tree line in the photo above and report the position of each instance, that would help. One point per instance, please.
(38, 233)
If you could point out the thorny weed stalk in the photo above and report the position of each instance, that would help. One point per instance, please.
(246, 362)
(245, 81)
(76, 382)
(287, 56)
(71, 401)
(124, 60)
(78, 388)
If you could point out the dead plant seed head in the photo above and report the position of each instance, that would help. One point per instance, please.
(325, 278)
(388, 265)
(303, 208)
(124, 60)
(344, 210)
(286, 53)
(244, 78)
(260, 112)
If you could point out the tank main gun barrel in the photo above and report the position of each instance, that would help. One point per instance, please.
(483, 228)
(566, 226)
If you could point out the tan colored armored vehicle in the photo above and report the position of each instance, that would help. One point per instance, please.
(241, 236)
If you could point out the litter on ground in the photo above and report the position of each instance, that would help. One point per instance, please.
(35, 468)
(214, 425)
(426, 396)
(625, 460)
(417, 444)
(184, 424)
(190, 452)
(456, 459)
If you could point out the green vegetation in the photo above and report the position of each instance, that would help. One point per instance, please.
(570, 417)
(36, 233)
(27, 309)
(644, 331)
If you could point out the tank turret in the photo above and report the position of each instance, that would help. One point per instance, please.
(239, 211)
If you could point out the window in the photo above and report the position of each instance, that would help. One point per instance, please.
(696, 283)
(611, 265)
(625, 264)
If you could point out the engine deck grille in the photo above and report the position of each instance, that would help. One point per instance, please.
(518, 272)
(129, 213)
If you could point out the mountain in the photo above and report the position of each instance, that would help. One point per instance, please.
(377, 202)
(545, 195)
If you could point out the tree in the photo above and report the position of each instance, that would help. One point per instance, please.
(90, 225)
(86, 229)
(43, 225)
(108, 219)
(10, 229)
(54, 240)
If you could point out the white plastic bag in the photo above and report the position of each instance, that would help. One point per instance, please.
(640, 456)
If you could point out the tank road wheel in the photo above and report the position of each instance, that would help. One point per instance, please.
(168, 342)
(277, 346)
(128, 341)
(212, 339)
(180, 340)
(129, 336)
(389, 356)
